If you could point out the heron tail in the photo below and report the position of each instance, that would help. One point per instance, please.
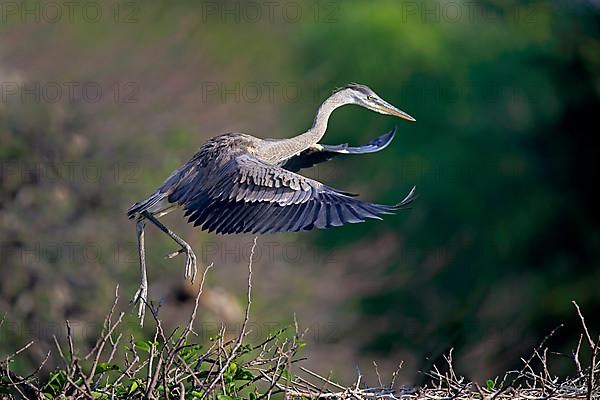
(145, 205)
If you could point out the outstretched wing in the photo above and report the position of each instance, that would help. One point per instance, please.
(246, 195)
(321, 152)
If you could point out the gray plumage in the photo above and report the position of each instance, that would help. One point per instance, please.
(237, 183)
(225, 188)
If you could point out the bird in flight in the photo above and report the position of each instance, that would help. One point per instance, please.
(238, 183)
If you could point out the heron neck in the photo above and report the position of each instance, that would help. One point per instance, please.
(322, 118)
(284, 149)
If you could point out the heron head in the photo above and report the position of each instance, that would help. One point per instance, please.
(364, 96)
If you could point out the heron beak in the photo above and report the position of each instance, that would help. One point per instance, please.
(386, 108)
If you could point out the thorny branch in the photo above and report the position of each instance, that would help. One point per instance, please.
(171, 366)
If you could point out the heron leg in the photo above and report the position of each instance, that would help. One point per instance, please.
(141, 295)
(190, 258)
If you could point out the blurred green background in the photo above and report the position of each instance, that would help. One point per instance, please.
(100, 103)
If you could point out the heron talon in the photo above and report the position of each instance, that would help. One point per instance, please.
(175, 253)
(141, 298)
(191, 268)
(190, 264)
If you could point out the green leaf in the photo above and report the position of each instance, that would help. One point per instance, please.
(191, 352)
(55, 383)
(143, 345)
(243, 375)
(225, 397)
(231, 369)
(133, 387)
(245, 348)
(103, 367)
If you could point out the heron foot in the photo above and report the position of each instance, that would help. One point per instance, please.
(141, 298)
(191, 268)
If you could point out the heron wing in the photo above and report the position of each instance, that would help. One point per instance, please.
(246, 195)
(322, 152)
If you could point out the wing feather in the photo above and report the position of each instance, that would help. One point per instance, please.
(303, 216)
(293, 218)
(244, 194)
(322, 152)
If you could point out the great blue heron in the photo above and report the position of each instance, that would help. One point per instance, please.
(237, 183)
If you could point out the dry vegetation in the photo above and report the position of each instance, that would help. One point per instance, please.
(172, 365)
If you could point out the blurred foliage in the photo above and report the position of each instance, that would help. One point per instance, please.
(503, 154)
(505, 232)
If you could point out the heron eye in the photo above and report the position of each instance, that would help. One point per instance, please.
(370, 97)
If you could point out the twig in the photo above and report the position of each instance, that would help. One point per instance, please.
(593, 347)
(585, 329)
(238, 341)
